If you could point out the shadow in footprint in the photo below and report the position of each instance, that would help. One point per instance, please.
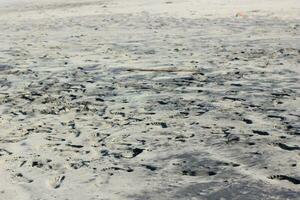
(286, 147)
(295, 181)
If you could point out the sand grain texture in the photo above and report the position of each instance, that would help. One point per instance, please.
(149, 100)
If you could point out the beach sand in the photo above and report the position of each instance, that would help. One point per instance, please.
(137, 100)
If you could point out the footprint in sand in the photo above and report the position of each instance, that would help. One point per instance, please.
(293, 180)
(55, 182)
(19, 177)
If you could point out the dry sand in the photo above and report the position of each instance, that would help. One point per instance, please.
(137, 99)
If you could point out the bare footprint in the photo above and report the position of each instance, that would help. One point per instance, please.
(56, 181)
(19, 177)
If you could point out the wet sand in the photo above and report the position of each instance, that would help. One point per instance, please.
(149, 100)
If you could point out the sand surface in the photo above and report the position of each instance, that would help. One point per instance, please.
(157, 100)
